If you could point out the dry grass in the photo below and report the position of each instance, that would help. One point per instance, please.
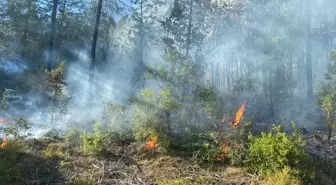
(55, 164)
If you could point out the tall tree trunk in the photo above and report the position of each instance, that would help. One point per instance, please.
(223, 76)
(308, 53)
(217, 78)
(228, 79)
(58, 45)
(189, 28)
(94, 42)
(25, 32)
(213, 75)
(329, 127)
(141, 31)
(52, 34)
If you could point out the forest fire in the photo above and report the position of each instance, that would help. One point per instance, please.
(239, 114)
(4, 143)
(225, 149)
(152, 143)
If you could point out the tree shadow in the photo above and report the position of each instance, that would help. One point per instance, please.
(21, 168)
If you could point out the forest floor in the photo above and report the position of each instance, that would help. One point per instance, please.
(47, 161)
(50, 162)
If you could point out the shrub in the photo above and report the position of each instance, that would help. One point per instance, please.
(203, 146)
(17, 128)
(10, 172)
(72, 138)
(151, 116)
(92, 143)
(283, 177)
(238, 154)
(271, 152)
(55, 150)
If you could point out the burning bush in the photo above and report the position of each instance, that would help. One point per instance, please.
(152, 116)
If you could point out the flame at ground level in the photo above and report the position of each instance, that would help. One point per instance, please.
(152, 143)
(4, 143)
(224, 152)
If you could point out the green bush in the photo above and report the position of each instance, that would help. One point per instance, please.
(17, 128)
(10, 172)
(72, 138)
(238, 154)
(272, 151)
(151, 116)
(92, 143)
(201, 145)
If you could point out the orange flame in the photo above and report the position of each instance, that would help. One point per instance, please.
(225, 149)
(239, 115)
(152, 143)
(4, 143)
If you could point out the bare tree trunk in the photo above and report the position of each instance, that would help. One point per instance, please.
(212, 75)
(141, 31)
(223, 76)
(94, 42)
(228, 79)
(60, 27)
(25, 32)
(52, 34)
(329, 128)
(189, 28)
(308, 53)
(217, 78)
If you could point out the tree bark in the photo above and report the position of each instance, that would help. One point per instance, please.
(329, 128)
(58, 45)
(308, 53)
(52, 34)
(94, 42)
(189, 28)
(141, 31)
(25, 32)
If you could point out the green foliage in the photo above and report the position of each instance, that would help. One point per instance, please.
(65, 163)
(73, 138)
(16, 127)
(282, 177)
(271, 152)
(55, 83)
(56, 151)
(208, 100)
(203, 146)
(181, 75)
(151, 115)
(4, 101)
(9, 157)
(327, 93)
(238, 154)
(92, 143)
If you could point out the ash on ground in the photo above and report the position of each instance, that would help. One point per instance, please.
(317, 144)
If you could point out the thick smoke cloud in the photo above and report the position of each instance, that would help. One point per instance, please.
(225, 36)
